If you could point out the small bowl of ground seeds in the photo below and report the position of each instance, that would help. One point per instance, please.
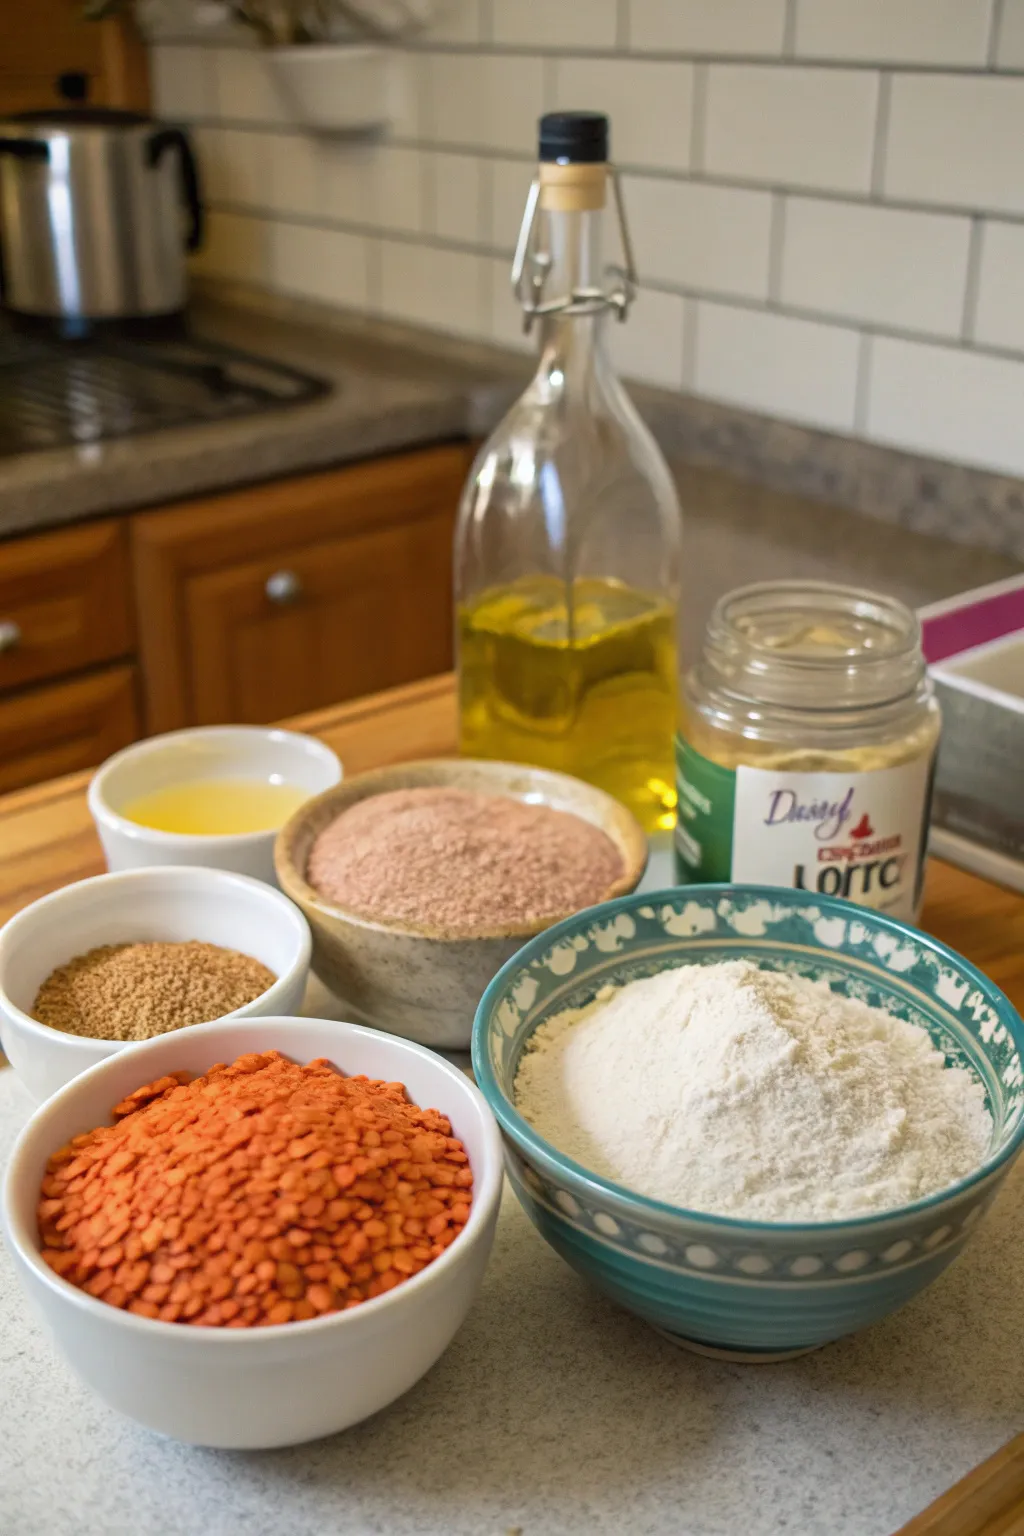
(420, 881)
(122, 958)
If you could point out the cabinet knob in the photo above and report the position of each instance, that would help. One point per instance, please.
(283, 587)
(10, 635)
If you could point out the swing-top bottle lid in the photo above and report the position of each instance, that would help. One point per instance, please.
(573, 138)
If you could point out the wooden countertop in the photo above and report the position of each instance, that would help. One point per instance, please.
(47, 838)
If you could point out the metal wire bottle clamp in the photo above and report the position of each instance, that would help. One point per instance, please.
(530, 268)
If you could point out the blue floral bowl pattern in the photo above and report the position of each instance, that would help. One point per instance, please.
(749, 1289)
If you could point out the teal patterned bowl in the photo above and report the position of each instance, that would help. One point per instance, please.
(747, 1289)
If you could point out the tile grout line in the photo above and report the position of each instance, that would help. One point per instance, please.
(789, 31)
(549, 85)
(995, 33)
(486, 17)
(691, 323)
(879, 152)
(776, 247)
(622, 36)
(774, 59)
(680, 176)
(848, 323)
(698, 117)
(862, 385)
(972, 284)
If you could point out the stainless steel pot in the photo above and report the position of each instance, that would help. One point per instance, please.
(91, 214)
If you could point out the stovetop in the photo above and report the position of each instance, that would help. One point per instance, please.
(57, 393)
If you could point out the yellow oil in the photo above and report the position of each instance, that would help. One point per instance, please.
(216, 807)
(587, 687)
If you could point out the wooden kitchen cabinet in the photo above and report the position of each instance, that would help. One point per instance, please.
(41, 40)
(65, 602)
(284, 597)
(48, 731)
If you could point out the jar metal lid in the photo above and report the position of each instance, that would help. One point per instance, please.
(813, 645)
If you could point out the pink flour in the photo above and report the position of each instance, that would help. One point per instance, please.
(461, 861)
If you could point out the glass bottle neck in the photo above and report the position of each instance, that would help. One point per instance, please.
(571, 345)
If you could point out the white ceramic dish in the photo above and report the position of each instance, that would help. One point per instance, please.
(206, 752)
(168, 904)
(269, 1386)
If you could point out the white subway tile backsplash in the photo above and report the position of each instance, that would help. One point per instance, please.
(708, 26)
(884, 266)
(242, 160)
(490, 102)
(999, 317)
(948, 402)
(955, 139)
(182, 82)
(325, 264)
(456, 21)
(236, 246)
(554, 23)
(246, 91)
(396, 188)
(347, 180)
(650, 103)
(292, 170)
(700, 236)
(798, 127)
(778, 365)
(429, 286)
(457, 196)
(895, 31)
(648, 344)
(810, 209)
(509, 185)
(407, 94)
(504, 317)
(1010, 41)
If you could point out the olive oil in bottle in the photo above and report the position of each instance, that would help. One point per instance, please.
(567, 546)
(583, 682)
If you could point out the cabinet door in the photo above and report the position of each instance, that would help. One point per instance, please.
(363, 613)
(48, 731)
(299, 594)
(64, 602)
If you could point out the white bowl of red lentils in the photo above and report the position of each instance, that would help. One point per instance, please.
(116, 959)
(256, 1232)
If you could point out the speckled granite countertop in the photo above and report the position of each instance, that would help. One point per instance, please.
(396, 387)
(553, 1414)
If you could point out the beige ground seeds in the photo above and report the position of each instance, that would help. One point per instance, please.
(136, 991)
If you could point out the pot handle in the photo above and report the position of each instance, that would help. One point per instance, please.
(25, 149)
(157, 146)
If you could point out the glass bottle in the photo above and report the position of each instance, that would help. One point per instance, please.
(567, 550)
(807, 745)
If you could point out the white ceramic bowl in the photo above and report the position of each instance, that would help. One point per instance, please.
(267, 1386)
(207, 752)
(167, 904)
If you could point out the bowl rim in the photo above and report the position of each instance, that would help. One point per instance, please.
(150, 746)
(286, 911)
(484, 1203)
(594, 1185)
(632, 845)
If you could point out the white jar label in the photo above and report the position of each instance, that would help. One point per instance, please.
(856, 835)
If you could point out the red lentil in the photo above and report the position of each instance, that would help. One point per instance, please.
(261, 1192)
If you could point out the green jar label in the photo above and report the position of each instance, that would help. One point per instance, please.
(859, 835)
(704, 817)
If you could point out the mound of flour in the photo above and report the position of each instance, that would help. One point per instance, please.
(754, 1094)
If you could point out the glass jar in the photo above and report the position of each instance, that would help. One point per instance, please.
(807, 745)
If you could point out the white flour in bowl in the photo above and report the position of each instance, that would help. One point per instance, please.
(754, 1094)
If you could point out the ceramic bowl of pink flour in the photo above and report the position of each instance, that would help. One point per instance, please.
(421, 880)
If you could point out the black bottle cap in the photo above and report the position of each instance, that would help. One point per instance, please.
(574, 138)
